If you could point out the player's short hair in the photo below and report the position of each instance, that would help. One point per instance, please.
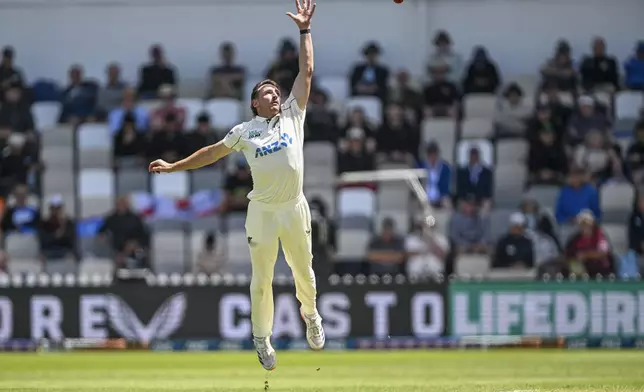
(253, 95)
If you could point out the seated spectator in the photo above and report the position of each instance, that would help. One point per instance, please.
(20, 217)
(439, 178)
(211, 259)
(370, 78)
(587, 119)
(482, 75)
(541, 229)
(577, 195)
(129, 105)
(168, 142)
(227, 79)
(16, 163)
(358, 119)
(441, 95)
(286, 67)
(4, 262)
(599, 70)
(397, 140)
(513, 114)
(356, 156)
(128, 142)
(514, 249)
(128, 236)
(15, 112)
(635, 155)
(156, 74)
(630, 264)
(169, 107)
(10, 75)
(57, 233)
(427, 252)
(408, 95)
(634, 69)
(553, 96)
(468, 228)
(321, 123)
(598, 157)
(445, 55)
(202, 136)
(110, 96)
(547, 160)
(79, 98)
(237, 187)
(323, 238)
(386, 252)
(589, 251)
(560, 69)
(475, 179)
(544, 119)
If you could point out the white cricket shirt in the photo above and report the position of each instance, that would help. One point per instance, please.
(274, 150)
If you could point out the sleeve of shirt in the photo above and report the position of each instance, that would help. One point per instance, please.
(232, 139)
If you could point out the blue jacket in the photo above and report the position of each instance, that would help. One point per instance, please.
(572, 201)
(444, 178)
(634, 69)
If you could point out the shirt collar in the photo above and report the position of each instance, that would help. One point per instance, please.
(264, 119)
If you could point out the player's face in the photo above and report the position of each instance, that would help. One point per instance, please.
(267, 102)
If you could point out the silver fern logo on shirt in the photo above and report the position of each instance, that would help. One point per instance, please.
(165, 321)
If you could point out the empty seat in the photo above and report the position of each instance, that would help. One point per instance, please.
(171, 185)
(45, 114)
(352, 244)
(96, 192)
(509, 182)
(480, 105)
(22, 246)
(511, 273)
(25, 266)
(477, 128)
(237, 249)
(511, 152)
(58, 181)
(546, 195)
(356, 201)
(616, 201)
(191, 88)
(206, 179)
(337, 87)
(371, 106)
(319, 175)
(484, 146)
(131, 180)
(499, 222)
(472, 265)
(193, 108)
(94, 247)
(168, 251)
(393, 195)
(618, 237)
(96, 266)
(628, 104)
(323, 153)
(172, 225)
(225, 113)
(58, 158)
(58, 136)
(66, 266)
(206, 223)
(438, 129)
(94, 146)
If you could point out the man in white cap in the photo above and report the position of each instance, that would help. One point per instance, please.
(515, 249)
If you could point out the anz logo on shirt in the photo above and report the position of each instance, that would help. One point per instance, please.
(270, 148)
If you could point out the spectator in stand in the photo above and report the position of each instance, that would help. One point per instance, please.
(538, 219)
(397, 140)
(286, 67)
(636, 229)
(444, 55)
(547, 160)
(634, 69)
(599, 71)
(553, 96)
(202, 136)
(441, 95)
(227, 79)
(598, 157)
(237, 187)
(79, 98)
(560, 68)
(169, 107)
(544, 119)
(482, 75)
(512, 116)
(408, 95)
(635, 155)
(57, 233)
(386, 252)
(589, 251)
(130, 106)
(358, 119)
(128, 235)
(514, 249)
(211, 259)
(168, 142)
(17, 163)
(128, 142)
(439, 178)
(20, 217)
(475, 179)
(15, 112)
(370, 78)
(10, 75)
(321, 123)
(110, 96)
(156, 74)
(577, 195)
(427, 252)
(586, 120)
(356, 156)
(323, 238)
(4, 262)
(468, 228)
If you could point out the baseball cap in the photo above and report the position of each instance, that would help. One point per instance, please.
(432, 147)
(517, 219)
(56, 201)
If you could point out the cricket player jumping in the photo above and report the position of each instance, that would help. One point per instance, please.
(272, 143)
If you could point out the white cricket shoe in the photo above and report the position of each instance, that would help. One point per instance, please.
(314, 332)
(265, 353)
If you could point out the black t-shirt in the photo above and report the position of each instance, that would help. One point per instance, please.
(599, 70)
(635, 156)
(441, 94)
(238, 187)
(356, 161)
(512, 249)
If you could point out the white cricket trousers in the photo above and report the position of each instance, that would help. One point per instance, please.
(266, 226)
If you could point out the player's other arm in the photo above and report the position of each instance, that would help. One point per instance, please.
(302, 85)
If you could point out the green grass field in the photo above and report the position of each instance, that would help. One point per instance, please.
(404, 371)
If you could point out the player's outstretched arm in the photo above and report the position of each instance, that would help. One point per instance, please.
(203, 157)
(302, 85)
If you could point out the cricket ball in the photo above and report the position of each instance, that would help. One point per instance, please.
(398, 1)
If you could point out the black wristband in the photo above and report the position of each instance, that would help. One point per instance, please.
(305, 31)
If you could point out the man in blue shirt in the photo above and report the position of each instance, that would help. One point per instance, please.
(576, 196)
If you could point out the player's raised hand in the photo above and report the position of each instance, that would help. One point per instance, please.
(160, 166)
(305, 10)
